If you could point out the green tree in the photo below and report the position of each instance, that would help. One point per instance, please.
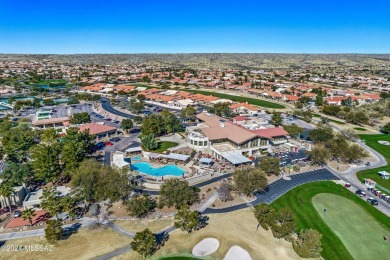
(358, 117)
(319, 100)
(175, 192)
(141, 205)
(127, 124)
(187, 220)
(321, 133)
(146, 79)
(18, 141)
(28, 214)
(276, 119)
(319, 155)
(80, 118)
(94, 182)
(248, 181)
(53, 231)
(137, 107)
(265, 215)
(72, 154)
(355, 152)
(386, 128)
(308, 244)
(17, 174)
(284, 224)
(46, 162)
(68, 204)
(49, 135)
(144, 243)
(222, 109)
(270, 165)
(141, 97)
(6, 191)
(293, 130)
(51, 202)
(187, 113)
(149, 142)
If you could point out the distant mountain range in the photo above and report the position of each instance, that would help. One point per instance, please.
(216, 60)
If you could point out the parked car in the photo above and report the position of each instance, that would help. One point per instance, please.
(372, 201)
(108, 144)
(347, 185)
(108, 119)
(99, 145)
(115, 139)
(368, 163)
(17, 214)
(360, 193)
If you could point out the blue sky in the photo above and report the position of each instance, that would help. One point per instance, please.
(172, 26)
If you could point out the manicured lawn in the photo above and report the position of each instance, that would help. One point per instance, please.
(164, 145)
(317, 115)
(360, 233)
(372, 141)
(253, 101)
(48, 81)
(360, 129)
(300, 201)
(142, 85)
(336, 121)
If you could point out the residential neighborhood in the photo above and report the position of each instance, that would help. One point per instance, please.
(207, 130)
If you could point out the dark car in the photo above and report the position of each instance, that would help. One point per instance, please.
(135, 130)
(17, 214)
(115, 139)
(99, 145)
(360, 193)
(372, 201)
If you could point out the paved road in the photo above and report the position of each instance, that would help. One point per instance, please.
(200, 184)
(278, 188)
(106, 105)
(39, 232)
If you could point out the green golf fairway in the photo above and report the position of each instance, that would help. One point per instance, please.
(360, 233)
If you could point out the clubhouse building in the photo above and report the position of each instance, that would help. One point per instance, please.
(233, 140)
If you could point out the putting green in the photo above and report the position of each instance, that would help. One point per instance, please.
(361, 234)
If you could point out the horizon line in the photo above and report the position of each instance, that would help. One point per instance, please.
(186, 53)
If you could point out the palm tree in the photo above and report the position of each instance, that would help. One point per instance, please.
(6, 191)
(28, 214)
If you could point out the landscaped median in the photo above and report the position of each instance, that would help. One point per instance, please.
(252, 101)
(373, 142)
(358, 218)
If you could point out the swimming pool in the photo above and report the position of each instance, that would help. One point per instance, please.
(146, 168)
(136, 158)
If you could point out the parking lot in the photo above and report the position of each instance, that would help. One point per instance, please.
(290, 158)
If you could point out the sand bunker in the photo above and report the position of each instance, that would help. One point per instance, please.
(384, 142)
(205, 247)
(237, 253)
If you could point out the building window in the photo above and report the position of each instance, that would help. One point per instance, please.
(192, 142)
(205, 143)
(196, 143)
(200, 143)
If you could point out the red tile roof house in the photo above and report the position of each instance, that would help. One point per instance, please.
(99, 130)
(243, 108)
(336, 101)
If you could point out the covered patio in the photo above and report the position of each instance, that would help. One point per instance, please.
(236, 158)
